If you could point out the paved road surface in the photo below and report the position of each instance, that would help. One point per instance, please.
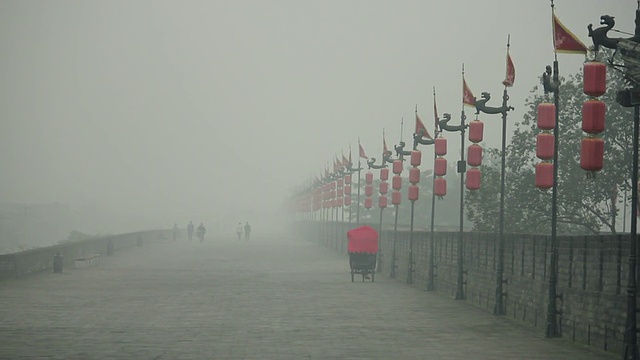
(270, 298)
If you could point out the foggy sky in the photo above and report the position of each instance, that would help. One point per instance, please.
(179, 110)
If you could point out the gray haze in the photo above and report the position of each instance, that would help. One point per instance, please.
(170, 111)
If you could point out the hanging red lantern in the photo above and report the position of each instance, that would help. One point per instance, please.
(414, 175)
(339, 183)
(544, 146)
(397, 167)
(476, 129)
(473, 179)
(416, 157)
(384, 174)
(440, 167)
(546, 116)
(474, 155)
(368, 190)
(440, 187)
(340, 192)
(384, 187)
(368, 203)
(595, 78)
(396, 182)
(347, 200)
(347, 190)
(396, 197)
(339, 202)
(382, 202)
(347, 179)
(368, 178)
(413, 192)
(332, 185)
(592, 154)
(544, 175)
(593, 116)
(441, 146)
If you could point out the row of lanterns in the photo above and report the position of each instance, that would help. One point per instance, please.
(593, 117)
(440, 167)
(414, 175)
(368, 190)
(474, 154)
(545, 145)
(384, 188)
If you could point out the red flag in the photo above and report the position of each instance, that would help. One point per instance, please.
(564, 40)
(421, 129)
(362, 153)
(345, 161)
(467, 95)
(510, 78)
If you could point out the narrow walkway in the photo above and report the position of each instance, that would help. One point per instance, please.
(270, 298)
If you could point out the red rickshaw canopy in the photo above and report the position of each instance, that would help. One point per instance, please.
(362, 240)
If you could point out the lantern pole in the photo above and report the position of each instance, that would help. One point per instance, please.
(394, 263)
(431, 285)
(379, 268)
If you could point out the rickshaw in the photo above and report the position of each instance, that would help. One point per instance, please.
(363, 249)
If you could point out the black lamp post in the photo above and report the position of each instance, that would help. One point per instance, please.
(481, 106)
(371, 164)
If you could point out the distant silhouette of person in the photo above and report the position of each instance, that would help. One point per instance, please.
(201, 231)
(247, 230)
(174, 232)
(239, 231)
(190, 230)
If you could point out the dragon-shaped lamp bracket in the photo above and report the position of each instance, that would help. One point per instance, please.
(386, 158)
(372, 165)
(419, 139)
(400, 150)
(444, 124)
(481, 104)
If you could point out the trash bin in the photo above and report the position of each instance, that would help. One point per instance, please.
(57, 263)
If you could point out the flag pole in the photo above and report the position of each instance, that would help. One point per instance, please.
(461, 170)
(431, 286)
(552, 329)
(359, 168)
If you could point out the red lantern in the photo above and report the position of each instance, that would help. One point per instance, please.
(545, 146)
(592, 154)
(413, 192)
(441, 146)
(476, 129)
(347, 190)
(339, 183)
(340, 192)
(339, 202)
(474, 155)
(368, 203)
(414, 175)
(384, 174)
(382, 202)
(384, 187)
(397, 167)
(595, 78)
(347, 200)
(440, 167)
(396, 198)
(440, 187)
(416, 157)
(347, 179)
(368, 178)
(473, 179)
(368, 190)
(544, 175)
(593, 116)
(396, 182)
(546, 116)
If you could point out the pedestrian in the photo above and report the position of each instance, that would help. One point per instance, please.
(201, 231)
(174, 232)
(239, 231)
(190, 230)
(247, 230)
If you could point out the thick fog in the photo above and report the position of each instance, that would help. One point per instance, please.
(139, 114)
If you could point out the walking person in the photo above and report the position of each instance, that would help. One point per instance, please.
(239, 231)
(190, 230)
(201, 231)
(247, 231)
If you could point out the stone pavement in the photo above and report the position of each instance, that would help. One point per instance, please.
(270, 298)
